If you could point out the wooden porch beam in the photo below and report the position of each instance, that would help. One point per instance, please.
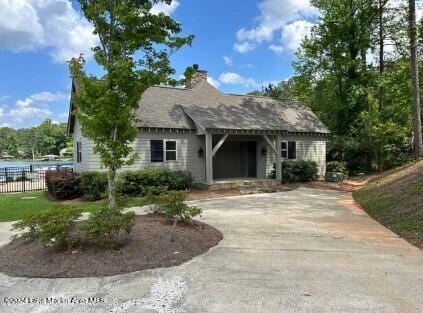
(219, 144)
(270, 143)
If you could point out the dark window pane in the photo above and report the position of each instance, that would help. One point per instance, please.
(283, 145)
(78, 152)
(170, 145)
(292, 150)
(170, 155)
(156, 156)
(284, 154)
(156, 147)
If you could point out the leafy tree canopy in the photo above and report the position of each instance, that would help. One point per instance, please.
(34, 142)
(365, 101)
(133, 51)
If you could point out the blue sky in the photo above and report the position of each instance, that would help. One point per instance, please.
(242, 44)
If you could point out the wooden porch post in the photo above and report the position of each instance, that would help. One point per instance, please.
(209, 158)
(278, 157)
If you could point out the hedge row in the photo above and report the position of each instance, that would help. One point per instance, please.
(137, 183)
(94, 185)
(297, 171)
(64, 185)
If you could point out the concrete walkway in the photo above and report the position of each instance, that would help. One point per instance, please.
(306, 250)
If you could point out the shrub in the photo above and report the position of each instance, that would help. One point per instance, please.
(52, 227)
(172, 205)
(63, 185)
(94, 185)
(299, 171)
(153, 195)
(137, 183)
(105, 227)
(337, 166)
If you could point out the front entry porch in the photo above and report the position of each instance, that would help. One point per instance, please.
(235, 159)
(239, 159)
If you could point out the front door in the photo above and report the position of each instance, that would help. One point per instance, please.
(252, 159)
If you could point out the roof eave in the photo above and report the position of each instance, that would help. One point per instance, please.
(71, 117)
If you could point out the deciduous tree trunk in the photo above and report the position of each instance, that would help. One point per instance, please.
(381, 53)
(112, 175)
(417, 129)
(111, 188)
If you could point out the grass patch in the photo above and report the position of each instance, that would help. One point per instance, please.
(14, 206)
(397, 204)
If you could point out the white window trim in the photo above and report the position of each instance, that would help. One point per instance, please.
(165, 150)
(286, 142)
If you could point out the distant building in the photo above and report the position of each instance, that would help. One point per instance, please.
(7, 157)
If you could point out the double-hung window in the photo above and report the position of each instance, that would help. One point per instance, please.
(163, 150)
(156, 147)
(289, 150)
(170, 152)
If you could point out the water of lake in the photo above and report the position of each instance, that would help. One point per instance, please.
(19, 163)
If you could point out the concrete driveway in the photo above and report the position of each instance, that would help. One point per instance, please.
(306, 250)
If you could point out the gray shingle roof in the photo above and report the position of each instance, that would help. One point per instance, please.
(207, 107)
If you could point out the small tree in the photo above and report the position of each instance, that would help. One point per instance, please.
(133, 52)
(172, 205)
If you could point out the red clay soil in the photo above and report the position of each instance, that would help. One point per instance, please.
(149, 247)
(357, 182)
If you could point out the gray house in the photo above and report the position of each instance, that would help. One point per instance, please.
(216, 136)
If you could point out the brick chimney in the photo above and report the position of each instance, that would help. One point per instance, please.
(197, 77)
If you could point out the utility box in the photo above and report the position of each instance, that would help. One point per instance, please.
(334, 177)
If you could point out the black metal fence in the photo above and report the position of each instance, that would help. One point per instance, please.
(22, 179)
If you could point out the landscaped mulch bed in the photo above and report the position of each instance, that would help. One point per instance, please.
(148, 247)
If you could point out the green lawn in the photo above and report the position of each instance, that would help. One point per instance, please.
(398, 204)
(14, 206)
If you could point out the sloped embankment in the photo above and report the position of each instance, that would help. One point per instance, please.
(396, 201)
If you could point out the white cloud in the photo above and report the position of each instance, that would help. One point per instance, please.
(244, 47)
(47, 96)
(294, 33)
(5, 125)
(29, 25)
(215, 83)
(26, 109)
(34, 106)
(236, 79)
(276, 48)
(228, 60)
(274, 16)
(162, 7)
